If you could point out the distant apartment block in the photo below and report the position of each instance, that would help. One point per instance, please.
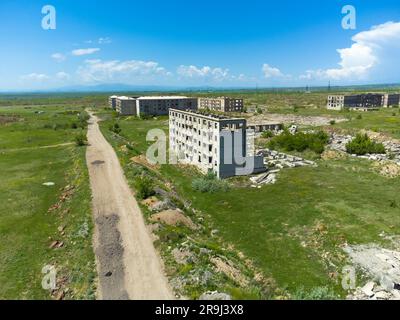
(210, 143)
(392, 100)
(364, 102)
(112, 102)
(222, 104)
(126, 106)
(151, 105)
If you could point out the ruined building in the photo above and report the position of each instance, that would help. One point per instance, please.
(363, 102)
(213, 143)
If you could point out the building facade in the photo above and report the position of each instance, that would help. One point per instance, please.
(112, 102)
(153, 106)
(364, 102)
(221, 104)
(335, 102)
(392, 100)
(213, 143)
(126, 106)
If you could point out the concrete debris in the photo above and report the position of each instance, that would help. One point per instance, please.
(382, 266)
(214, 295)
(156, 205)
(49, 184)
(293, 129)
(289, 119)
(183, 256)
(279, 160)
(338, 142)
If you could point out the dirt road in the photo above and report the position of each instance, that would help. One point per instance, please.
(127, 263)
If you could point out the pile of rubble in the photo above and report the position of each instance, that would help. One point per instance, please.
(338, 142)
(276, 161)
(382, 266)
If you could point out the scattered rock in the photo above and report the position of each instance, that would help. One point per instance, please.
(183, 256)
(215, 295)
(368, 289)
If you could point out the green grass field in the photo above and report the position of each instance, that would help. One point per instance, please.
(27, 228)
(293, 230)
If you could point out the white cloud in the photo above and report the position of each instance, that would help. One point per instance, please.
(63, 75)
(96, 70)
(357, 61)
(82, 52)
(105, 40)
(271, 72)
(217, 74)
(35, 77)
(59, 57)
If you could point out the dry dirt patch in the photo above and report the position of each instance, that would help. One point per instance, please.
(296, 119)
(173, 218)
(8, 119)
(141, 160)
(387, 169)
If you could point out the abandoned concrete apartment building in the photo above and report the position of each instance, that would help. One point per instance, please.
(206, 140)
(221, 104)
(151, 105)
(363, 102)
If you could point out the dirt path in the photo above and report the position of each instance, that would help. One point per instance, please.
(128, 265)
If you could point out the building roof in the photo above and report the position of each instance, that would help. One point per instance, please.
(210, 116)
(125, 98)
(163, 98)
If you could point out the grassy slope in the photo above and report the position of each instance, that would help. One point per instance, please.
(26, 226)
(276, 226)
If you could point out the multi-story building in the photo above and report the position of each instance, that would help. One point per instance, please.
(392, 100)
(126, 106)
(364, 102)
(153, 106)
(335, 102)
(112, 101)
(213, 143)
(221, 104)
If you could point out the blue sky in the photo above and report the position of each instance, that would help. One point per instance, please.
(197, 43)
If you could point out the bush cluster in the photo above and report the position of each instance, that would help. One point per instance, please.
(209, 184)
(362, 145)
(300, 141)
(144, 187)
(80, 139)
(115, 128)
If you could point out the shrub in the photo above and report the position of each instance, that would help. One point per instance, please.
(80, 139)
(209, 184)
(300, 141)
(259, 110)
(332, 122)
(362, 145)
(115, 128)
(74, 125)
(359, 117)
(317, 293)
(267, 134)
(144, 187)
